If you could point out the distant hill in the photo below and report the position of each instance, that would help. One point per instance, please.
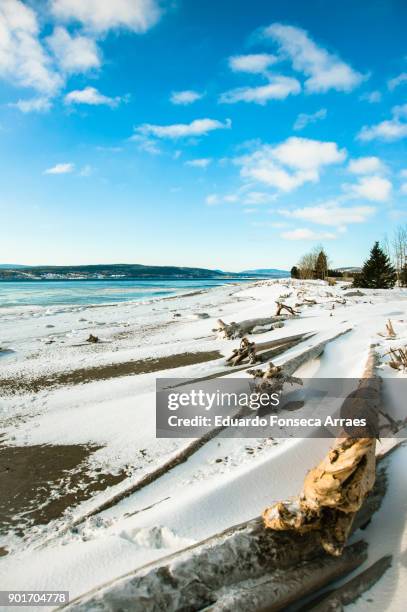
(11, 266)
(109, 271)
(270, 272)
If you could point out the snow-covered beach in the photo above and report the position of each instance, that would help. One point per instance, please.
(85, 413)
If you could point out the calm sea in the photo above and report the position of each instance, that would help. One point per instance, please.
(48, 293)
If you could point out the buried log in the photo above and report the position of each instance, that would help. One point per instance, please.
(281, 589)
(206, 573)
(229, 331)
(333, 601)
(334, 490)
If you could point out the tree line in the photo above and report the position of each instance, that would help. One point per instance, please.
(385, 266)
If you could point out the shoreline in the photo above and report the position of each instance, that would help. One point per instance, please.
(166, 484)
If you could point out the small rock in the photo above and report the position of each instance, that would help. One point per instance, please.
(92, 339)
(201, 315)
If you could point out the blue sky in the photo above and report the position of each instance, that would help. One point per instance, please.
(218, 134)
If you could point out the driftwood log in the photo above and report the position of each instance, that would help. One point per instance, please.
(254, 352)
(335, 490)
(229, 331)
(226, 564)
(289, 309)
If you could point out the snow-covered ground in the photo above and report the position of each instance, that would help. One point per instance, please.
(224, 482)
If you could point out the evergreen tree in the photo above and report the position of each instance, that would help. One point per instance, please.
(321, 266)
(403, 275)
(377, 272)
(295, 273)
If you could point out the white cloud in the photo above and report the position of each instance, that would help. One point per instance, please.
(307, 154)
(366, 165)
(33, 105)
(389, 130)
(23, 60)
(185, 97)
(198, 127)
(403, 189)
(331, 213)
(374, 188)
(303, 119)
(279, 88)
(91, 96)
(199, 163)
(403, 173)
(290, 164)
(396, 81)
(307, 234)
(373, 97)
(324, 70)
(103, 15)
(74, 53)
(60, 169)
(256, 63)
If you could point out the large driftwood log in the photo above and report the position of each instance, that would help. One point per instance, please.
(334, 490)
(232, 330)
(205, 573)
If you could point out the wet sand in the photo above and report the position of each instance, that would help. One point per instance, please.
(12, 386)
(38, 483)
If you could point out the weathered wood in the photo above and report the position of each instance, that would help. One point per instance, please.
(200, 575)
(281, 306)
(232, 330)
(260, 351)
(335, 489)
(284, 587)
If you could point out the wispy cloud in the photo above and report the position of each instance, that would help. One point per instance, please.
(255, 63)
(33, 105)
(305, 119)
(91, 96)
(388, 130)
(290, 164)
(146, 144)
(103, 15)
(279, 88)
(397, 81)
(330, 213)
(215, 198)
(203, 162)
(324, 69)
(198, 127)
(373, 97)
(258, 197)
(307, 234)
(65, 168)
(186, 97)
